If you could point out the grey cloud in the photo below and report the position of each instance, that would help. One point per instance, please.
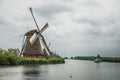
(91, 3)
(92, 22)
(0, 1)
(99, 32)
(68, 1)
(2, 22)
(107, 26)
(97, 22)
(51, 10)
(95, 32)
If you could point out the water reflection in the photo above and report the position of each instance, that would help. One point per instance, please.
(71, 70)
(97, 65)
(31, 72)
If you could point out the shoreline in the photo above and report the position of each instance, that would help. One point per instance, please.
(103, 59)
(32, 61)
(7, 59)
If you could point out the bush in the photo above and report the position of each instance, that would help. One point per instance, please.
(3, 60)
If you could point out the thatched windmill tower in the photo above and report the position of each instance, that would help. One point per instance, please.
(33, 40)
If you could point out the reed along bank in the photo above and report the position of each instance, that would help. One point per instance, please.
(12, 58)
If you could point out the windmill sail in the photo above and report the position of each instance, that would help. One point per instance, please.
(45, 45)
(49, 45)
(23, 45)
(45, 27)
(34, 19)
(33, 38)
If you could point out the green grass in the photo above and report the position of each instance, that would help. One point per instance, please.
(35, 61)
(11, 58)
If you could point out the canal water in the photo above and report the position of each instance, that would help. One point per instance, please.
(71, 70)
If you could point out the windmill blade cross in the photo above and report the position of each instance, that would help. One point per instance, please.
(34, 18)
(35, 36)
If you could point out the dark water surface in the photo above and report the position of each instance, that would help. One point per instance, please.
(71, 70)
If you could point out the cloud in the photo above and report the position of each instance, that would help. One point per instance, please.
(1, 22)
(0, 0)
(77, 27)
(51, 10)
(98, 22)
(93, 3)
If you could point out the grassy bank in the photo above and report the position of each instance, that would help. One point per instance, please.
(11, 58)
(110, 59)
(84, 58)
(104, 59)
(36, 61)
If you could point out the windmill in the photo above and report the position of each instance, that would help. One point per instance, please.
(33, 42)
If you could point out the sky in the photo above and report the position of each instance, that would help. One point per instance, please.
(76, 27)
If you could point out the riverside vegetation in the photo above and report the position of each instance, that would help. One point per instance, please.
(11, 57)
(104, 59)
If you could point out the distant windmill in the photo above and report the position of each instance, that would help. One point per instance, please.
(33, 40)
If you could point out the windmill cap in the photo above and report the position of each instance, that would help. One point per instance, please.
(31, 32)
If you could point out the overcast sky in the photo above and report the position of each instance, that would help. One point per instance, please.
(76, 27)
